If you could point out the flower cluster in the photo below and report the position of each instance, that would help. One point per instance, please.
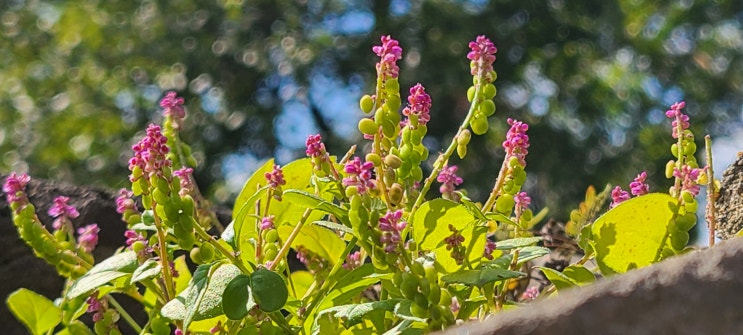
(489, 248)
(353, 260)
(359, 175)
(618, 195)
(173, 105)
(95, 306)
(522, 201)
(88, 237)
(517, 142)
(678, 117)
(275, 178)
(267, 222)
(15, 186)
(449, 180)
(419, 106)
(124, 202)
(391, 226)
(184, 175)
(150, 154)
(638, 186)
(454, 243)
(315, 147)
(482, 55)
(62, 212)
(389, 52)
(530, 294)
(688, 177)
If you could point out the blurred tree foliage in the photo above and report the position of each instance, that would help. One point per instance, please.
(79, 79)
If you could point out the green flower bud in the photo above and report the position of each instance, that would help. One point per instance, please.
(461, 151)
(487, 107)
(270, 251)
(489, 91)
(471, 94)
(479, 124)
(669, 168)
(464, 137)
(679, 240)
(505, 203)
(138, 246)
(374, 158)
(366, 104)
(368, 126)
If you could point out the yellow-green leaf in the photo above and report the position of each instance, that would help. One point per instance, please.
(632, 234)
(35, 311)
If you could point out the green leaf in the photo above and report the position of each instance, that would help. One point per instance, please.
(237, 299)
(309, 200)
(149, 269)
(431, 226)
(202, 299)
(579, 274)
(632, 234)
(402, 310)
(302, 281)
(35, 311)
(560, 280)
(531, 252)
(480, 277)
(92, 281)
(269, 290)
(75, 328)
(516, 243)
(349, 286)
(333, 226)
(500, 218)
(354, 314)
(322, 241)
(471, 207)
(251, 186)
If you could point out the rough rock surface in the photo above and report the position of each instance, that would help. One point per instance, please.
(697, 293)
(730, 203)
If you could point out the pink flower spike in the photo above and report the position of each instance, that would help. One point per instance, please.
(517, 141)
(124, 201)
(88, 237)
(267, 222)
(678, 118)
(359, 175)
(389, 52)
(315, 147)
(62, 209)
(618, 195)
(150, 153)
(448, 179)
(482, 55)
(173, 105)
(419, 104)
(15, 187)
(522, 200)
(275, 178)
(638, 186)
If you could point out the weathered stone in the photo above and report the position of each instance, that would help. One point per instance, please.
(730, 203)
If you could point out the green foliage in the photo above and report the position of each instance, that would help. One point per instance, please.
(35, 311)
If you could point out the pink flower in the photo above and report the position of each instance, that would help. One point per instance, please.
(489, 248)
(88, 237)
(448, 179)
(482, 55)
(124, 201)
(315, 147)
(132, 236)
(15, 186)
(522, 201)
(638, 186)
(173, 105)
(688, 176)
(184, 175)
(517, 142)
(61, 208)
(419, 104)
(150, 153)
(353, 260)
(389, 52)
(359, 175)
(679, 117)
(530, 294)
(618, 195)
(267, 222)
(275, 178)
(391, 226)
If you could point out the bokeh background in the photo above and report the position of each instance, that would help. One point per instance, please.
(79, 80)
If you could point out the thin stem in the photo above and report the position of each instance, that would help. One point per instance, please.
(164, 262)
(287, 244)
(124, 314)
(497, 186)
(444, 157)
(711, 210)
(331, 276)
(230, 255)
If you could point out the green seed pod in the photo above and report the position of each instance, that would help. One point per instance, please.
(195, 255)
(272, 235)
(368, 126)
(186, 241)
(504, 203)
(187, 205)
(471, 93)
(687, 196)
(378, 259)
(417, 269)
(101, 327)
(425, 286)
(379, 116)
(461, 151)
(207, 252)
(670, 166)
(355, 201)
(679, 240)
(689, 148)
(396, 193)
(416, 137)
(487, 107)
(160, 196)
(270, 251)
(366, 103)
(351, 191)
(489, 91)
(392, 86)
(374, 158)
(686, 222)
(139, 246)
(464, 137)
(435, 314)
(424, 153)
(172, 212)
(159, 326)
(435, 293)
(519, 177)
(675, 150)
(60, 235)
(397, 279)
(527, 215)
(393, 103)
(405, 151)
(390, 176)
(409, 286)
(389, 128)
(479, 124)
(416, 173)
(404, 169)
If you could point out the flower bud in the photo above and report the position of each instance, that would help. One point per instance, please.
(669, 168)
(464, 137)
(461, 151)
(366, 104)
